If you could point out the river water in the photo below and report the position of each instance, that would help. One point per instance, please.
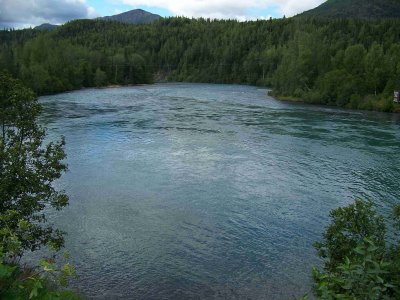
(188, 191)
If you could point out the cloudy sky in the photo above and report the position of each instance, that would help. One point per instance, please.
(26, 13)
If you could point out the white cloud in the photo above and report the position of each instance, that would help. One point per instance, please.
(293, 7)
(25, 13)
(241, 9)
(92, 13)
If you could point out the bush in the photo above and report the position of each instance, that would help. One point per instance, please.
(28, 169)
(358, 263)
(42, 282)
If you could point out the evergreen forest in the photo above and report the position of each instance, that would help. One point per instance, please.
(341, 62)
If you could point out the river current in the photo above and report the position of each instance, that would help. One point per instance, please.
(199, 191)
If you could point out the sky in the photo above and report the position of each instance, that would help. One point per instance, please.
(30, 13)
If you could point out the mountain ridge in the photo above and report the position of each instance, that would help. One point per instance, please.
(134, 16)
(46, 26)
(358, 9)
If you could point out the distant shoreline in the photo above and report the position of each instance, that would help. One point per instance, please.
(301, 101)
(269, 93)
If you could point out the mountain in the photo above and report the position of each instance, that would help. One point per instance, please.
(136, 16)
(46, 26)
(360, 9)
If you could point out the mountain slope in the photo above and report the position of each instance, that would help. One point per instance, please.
(136, 16)
(361, 9)
(46, 26)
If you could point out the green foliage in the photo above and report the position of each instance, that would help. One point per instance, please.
(28, 169)
(371, 9)
(366, 276)
(358, 263)
(339, 62)
(35, 283)
(100, 78)
(350, 226)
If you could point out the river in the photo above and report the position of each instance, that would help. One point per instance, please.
(188, 191)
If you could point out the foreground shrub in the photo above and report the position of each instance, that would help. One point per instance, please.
(361, 261)
(28, 168)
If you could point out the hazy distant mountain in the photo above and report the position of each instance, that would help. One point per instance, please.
(361, 9)
(46, 26)
(136, 16)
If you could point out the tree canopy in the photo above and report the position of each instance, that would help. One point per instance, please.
(343, 62)
(28, 169)
(361, 259)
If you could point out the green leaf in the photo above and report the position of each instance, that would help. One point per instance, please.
(7, 271)
(360, 251)
(36, 287)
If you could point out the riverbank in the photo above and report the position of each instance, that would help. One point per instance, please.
(110, 86)
(367, 104)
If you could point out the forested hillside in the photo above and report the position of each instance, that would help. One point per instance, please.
(370, 9)
(348, 63)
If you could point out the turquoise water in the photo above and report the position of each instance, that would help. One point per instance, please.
(182, 191)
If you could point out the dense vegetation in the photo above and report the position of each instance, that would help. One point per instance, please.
(28, 168)
(361, 259)
(371, 9)
(347, 63)
(342, 62)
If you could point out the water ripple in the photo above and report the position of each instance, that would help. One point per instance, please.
(191, 191)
